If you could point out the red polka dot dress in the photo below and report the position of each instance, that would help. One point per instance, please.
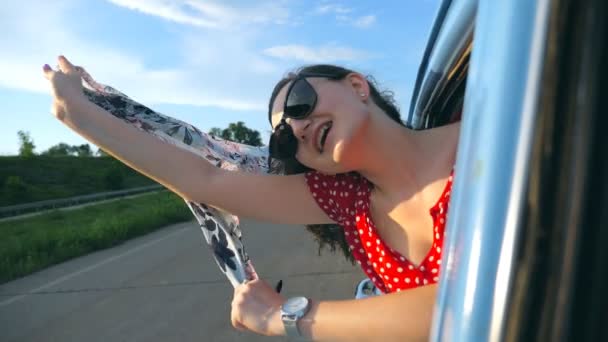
(346, 199)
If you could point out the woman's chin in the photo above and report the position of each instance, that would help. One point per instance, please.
(347, 152)
(341, 156)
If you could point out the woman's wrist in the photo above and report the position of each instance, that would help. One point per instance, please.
(306, 323)
(278, 329)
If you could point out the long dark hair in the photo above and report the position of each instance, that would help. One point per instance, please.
(329, 235)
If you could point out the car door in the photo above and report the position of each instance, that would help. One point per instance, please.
(525, 256)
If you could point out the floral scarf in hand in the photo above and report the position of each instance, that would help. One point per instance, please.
(220, 228)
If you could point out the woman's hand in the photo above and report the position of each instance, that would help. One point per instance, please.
(66, 85)
(256, 306)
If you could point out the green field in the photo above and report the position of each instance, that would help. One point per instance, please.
(30, 244)
(26, 180)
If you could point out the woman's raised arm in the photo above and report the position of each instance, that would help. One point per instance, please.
(282, 199)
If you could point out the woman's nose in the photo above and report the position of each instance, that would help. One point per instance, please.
(300, 127)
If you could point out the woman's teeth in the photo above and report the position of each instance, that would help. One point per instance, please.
(323, 135)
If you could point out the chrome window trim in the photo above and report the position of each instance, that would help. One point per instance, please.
(491, 170)
(451, 41)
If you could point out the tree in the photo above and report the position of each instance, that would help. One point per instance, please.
(59, 150)
(101, 153)
(27, 146)
(63, 149)
(83, 150)
(216, 132)
(240, 133)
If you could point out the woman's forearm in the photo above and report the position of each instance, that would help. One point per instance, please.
(402, 316)
(177, 169)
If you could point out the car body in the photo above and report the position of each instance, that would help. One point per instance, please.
(523, 256)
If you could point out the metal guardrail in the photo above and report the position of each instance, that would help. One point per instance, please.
(14, 210)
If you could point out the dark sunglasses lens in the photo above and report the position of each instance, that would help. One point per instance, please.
(283, 144)
(301, 100)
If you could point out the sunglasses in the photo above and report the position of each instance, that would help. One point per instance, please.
(300, 102)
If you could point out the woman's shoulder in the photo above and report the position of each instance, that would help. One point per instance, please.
(342, 187)
(337, 193)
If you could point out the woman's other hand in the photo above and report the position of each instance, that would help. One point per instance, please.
(66, 86)
(256, 306)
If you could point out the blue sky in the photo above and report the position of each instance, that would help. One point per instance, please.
(205, 62)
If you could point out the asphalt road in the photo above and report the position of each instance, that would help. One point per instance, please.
(164, 286)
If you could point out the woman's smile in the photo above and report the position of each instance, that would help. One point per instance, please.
(321, 135)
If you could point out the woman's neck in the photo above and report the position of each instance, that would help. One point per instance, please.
(400, 162)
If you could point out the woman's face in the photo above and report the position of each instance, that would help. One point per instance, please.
(327, 138)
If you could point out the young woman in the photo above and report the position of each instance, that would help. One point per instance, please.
(386, 185)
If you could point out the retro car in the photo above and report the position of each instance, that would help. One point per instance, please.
(526, 256)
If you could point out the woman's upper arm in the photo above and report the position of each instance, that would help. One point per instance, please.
(274, 198)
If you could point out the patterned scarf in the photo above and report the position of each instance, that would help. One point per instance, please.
(220, 228)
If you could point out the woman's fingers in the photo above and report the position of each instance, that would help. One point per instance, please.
(235, 315)
(237, 324)
(256, 307)
(66, 88)
(65, 66)
(47, 71)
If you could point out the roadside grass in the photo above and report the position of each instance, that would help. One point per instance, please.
(31, 179)
(31, 244)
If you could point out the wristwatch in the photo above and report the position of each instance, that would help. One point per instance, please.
(291, 312)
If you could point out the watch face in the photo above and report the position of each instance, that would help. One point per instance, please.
(295, 304)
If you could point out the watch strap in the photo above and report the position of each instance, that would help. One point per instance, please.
(290, 323)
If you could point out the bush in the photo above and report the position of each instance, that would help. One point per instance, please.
(58, 177)
(15, 189)
(114, 179)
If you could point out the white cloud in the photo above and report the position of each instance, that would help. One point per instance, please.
(218, 68)
(227, 74)
(167, 10)
(326, 8)
(365, 21)
(345, 15)
(209, 14)
(324, 54)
